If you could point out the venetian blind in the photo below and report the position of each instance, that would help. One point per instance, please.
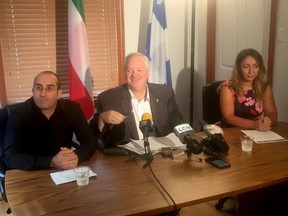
(28, 43)
(35, 38)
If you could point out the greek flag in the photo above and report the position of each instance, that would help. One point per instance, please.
(156, 48)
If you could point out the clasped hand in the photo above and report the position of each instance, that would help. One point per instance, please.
(65, 159)
(263, 123)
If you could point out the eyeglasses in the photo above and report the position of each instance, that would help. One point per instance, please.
(48, 88)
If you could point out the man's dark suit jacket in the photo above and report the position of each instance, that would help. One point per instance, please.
(165, 113)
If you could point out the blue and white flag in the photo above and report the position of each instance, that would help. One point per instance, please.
(156, 48)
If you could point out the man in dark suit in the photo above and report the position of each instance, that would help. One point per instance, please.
(39, 130)
(120, 109)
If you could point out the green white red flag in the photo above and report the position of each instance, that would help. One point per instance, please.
(79, 67)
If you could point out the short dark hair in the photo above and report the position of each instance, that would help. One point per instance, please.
(58, 83)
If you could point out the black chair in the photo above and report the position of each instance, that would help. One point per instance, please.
(3, 122)
(210, 103)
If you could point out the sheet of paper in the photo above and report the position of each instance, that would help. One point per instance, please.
(155, 143)
(65, 176)
(264, 136)
(170, 140)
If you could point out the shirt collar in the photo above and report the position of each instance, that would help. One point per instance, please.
(146, 97)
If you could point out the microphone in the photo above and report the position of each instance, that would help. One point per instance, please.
(146, 125)
(185, 133)
(215, 144)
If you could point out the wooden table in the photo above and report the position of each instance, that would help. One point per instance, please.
(127, 189)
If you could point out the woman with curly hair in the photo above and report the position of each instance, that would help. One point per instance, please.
(246, 100)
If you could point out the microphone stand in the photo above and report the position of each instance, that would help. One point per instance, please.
(190, 154)
(146, 127)
(148, 156)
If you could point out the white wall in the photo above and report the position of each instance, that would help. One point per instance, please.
(179, 13)
(280, 79)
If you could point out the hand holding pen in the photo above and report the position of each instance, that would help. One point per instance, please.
(111, 117)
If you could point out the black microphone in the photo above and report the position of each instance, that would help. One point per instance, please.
(146, 125)
(215, 143)
(185, 133)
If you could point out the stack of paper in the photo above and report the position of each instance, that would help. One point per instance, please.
(264, 136)
(155, 143)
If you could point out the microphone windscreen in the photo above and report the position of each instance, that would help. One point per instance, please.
(183, 130)
(146, 116)
(146, 124)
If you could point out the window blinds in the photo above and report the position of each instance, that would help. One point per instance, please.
(34, 36)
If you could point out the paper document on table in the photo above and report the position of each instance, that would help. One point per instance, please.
(65, 176)
(155, 143)
(264, 136)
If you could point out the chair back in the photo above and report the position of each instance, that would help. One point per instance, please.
(211, 103)
(3, 122)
